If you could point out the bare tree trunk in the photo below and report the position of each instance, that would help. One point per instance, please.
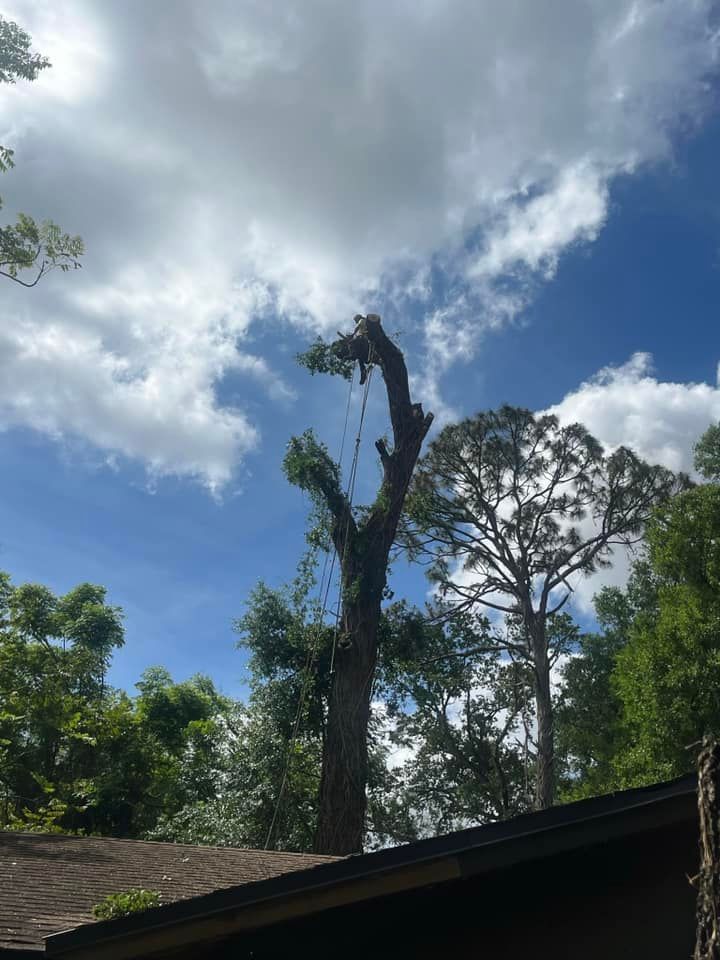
(341, 824)
(545, 773)
(545, 738)
(363, 551)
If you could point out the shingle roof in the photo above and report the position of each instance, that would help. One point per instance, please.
(49, 883)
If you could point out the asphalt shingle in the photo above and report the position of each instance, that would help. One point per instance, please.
(50, 882)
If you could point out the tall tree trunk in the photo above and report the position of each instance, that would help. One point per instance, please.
(363, 550)
(341, 824)
(545, 775)
(545, 758)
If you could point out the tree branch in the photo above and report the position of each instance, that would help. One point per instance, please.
(369, 344)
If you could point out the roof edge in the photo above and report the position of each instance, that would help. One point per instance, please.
(398, 869)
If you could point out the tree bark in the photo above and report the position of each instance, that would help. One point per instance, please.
(707, 881)
(341, 824)
(545, 753)
(363, 550)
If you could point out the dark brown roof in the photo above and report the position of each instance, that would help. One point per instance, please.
(49, 883)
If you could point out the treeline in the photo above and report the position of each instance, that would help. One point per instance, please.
(453, 736)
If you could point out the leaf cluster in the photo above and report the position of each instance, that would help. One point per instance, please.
(707, 454)
(27, 244)
(115, 905)
(17, 61)
(322, 357)
(42, 247)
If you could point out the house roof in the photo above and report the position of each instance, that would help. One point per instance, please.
(49, 883)
(192, 924)
(271, 887)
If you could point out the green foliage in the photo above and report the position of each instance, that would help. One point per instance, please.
(279, 629)
(84, 617)
(41, 247)
(668, 674)
(170, 711)
(458, 718)
(648, 687)
(707, 454)
(505, 493)
(452, 737)
(51, 686)
(125, 904)
(6, 159)
(308, 465)
(74, 753)
(17, 61)
(683, 540)
(507, 508)
(321, 357)
(589, 710)
(28, 245)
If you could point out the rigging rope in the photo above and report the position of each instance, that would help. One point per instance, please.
(349, 494)
(325, 587)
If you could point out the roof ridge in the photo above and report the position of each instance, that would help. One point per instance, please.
(165, 843)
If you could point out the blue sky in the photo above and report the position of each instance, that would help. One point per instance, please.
(542, 235)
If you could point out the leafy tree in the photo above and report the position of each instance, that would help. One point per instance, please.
(76, 754)
(267, 785)
(27, 245)
(668, 675)
(589, 711)
(707, 454)
(51, 687)
(362, 540)
(142, 768)
(507, 507)
(267, 793)
(460, 717)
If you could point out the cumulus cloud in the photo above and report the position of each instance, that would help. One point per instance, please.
(534, 235)
(629, 406)
(233, 161)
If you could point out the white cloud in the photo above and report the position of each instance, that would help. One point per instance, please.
(533, 235)
(629, 406)
(166, 418)
(223, 160)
